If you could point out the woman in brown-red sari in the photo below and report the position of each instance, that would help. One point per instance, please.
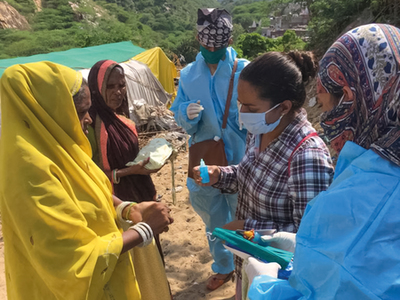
(113, 135)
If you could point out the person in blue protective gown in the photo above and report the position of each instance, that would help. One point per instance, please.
(348, 243)
(199, 109)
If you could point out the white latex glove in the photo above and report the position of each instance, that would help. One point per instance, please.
(256, 268)
(281, 240)
(193, 110)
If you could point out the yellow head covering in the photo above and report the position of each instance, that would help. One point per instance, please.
(61, 239)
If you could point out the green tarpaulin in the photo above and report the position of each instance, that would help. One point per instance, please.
(80, 58)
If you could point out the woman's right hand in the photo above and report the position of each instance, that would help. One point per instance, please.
(213, 172)
(139, 168)
(155, 214)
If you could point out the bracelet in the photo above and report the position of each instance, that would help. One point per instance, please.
(146, 227)
(115, 178)
(141, 233)
(129, 210)
(119, 210)
(145, 232)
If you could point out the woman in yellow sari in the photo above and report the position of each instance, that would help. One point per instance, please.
(59, 219)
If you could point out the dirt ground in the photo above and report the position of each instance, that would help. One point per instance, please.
(188, 261)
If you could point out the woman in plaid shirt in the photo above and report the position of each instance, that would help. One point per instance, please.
(286, 164)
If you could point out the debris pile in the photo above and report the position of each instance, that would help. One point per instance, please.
(150, 118)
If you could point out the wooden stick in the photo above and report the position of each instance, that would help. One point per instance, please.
(160, 131)
(173, 179)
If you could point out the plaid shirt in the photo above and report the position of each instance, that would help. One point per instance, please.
(268, 198)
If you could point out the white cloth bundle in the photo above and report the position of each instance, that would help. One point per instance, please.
(158, 150)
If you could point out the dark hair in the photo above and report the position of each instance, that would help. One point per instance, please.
(278, 76)
(81, 94)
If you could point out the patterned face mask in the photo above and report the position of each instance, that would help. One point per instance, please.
(334, 129)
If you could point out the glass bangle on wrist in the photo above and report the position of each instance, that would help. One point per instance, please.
(119, 211)
(128, 212)
(115, 178)
(145, 232)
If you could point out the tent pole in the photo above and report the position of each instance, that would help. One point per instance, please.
(173, 156)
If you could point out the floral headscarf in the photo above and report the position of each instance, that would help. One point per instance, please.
(367, 60)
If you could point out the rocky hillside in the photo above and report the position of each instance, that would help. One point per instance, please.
(30, 27)
(10, 18)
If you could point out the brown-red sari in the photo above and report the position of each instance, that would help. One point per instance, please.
(116, 137)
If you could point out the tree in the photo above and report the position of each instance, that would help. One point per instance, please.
(237, 31)
(290, 41)
(252, 44)
(330, 18)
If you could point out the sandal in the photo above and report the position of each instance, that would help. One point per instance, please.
(216, 280)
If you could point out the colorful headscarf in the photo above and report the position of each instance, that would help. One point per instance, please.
(214, 27)
(122, 142)
(367, 60)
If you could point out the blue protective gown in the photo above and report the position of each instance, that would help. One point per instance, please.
(196, 83)
(348, 242)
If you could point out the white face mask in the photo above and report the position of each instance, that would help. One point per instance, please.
(255, 122)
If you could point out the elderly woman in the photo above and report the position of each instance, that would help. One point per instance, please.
(114, 138)
(349, 239)
(59, 219)
(114, 141)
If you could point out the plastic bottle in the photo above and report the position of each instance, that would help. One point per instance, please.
(205, 178)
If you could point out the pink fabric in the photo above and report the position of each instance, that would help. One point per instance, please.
(102, 73)
(129, 123)
(103, 145)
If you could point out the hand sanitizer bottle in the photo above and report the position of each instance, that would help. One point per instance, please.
(205, 178)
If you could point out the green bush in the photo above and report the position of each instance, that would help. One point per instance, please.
(251, 45)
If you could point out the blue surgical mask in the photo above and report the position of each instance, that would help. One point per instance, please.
(255, 122)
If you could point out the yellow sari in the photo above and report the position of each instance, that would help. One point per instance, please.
(60, 234)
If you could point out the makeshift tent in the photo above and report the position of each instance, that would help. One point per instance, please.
(80, 58)
(161, 66)
(147, 95)
(143, 84)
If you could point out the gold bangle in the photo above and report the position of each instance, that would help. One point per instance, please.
(129, 210)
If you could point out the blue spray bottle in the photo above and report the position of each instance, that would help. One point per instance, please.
(205, 178)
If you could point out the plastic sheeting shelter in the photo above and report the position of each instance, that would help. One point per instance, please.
(161, 67)
(80, 58)
(84, 58)
(152, 84)
(143, 84)
(146, 97)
